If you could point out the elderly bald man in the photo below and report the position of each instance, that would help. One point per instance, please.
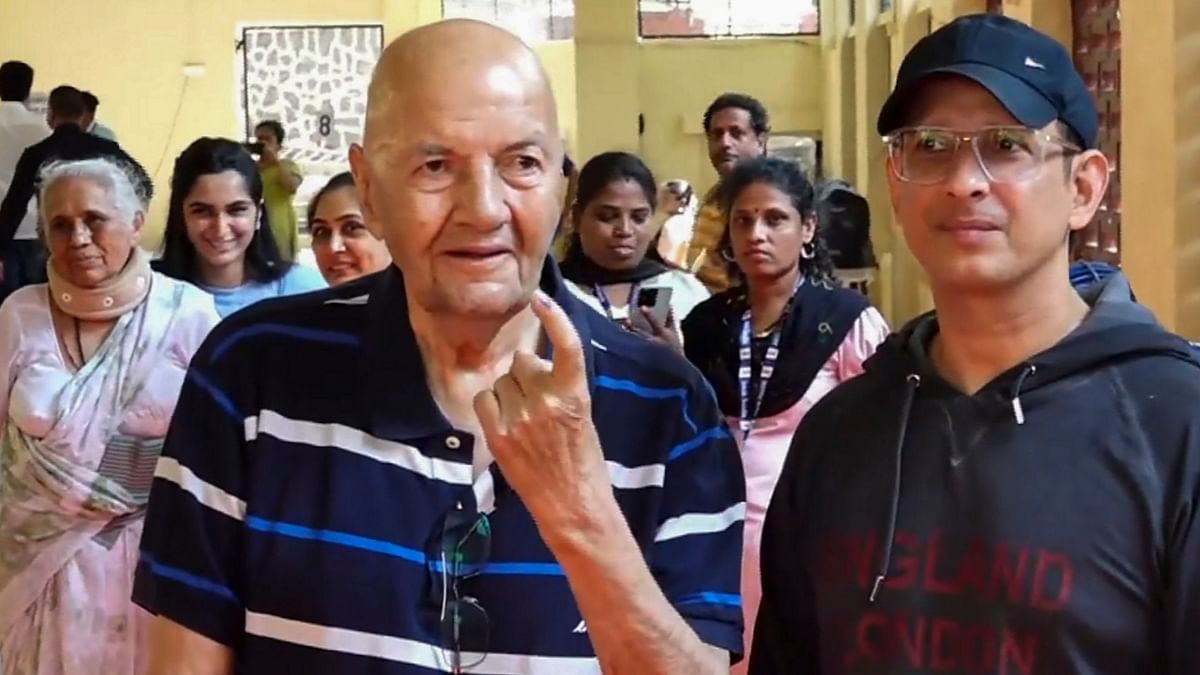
(451, 466)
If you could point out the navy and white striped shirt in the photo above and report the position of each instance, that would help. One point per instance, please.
(308, 467)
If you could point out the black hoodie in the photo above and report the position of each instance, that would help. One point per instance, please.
(1049, 524)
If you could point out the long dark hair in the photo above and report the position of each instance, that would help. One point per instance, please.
(786, 177)
(600, 172)
(342, 180)
(205, 157)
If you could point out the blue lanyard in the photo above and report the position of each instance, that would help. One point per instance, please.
(606, 304)
(750, 408)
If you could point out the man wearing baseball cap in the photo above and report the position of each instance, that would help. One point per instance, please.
(1013, 485)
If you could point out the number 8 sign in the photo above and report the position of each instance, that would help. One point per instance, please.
(326, 136)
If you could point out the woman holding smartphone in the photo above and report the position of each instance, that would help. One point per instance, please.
(779, 340)
(610, 262)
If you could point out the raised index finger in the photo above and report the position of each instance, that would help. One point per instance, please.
(568, 363)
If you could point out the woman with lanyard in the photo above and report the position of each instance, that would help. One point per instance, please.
(776, 343)
(609, 258)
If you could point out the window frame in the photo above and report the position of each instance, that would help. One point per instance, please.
(548, 18)
(728, 35)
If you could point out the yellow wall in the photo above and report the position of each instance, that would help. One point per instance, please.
(131, 53)
(606, 72)
(671, 82)
(558, 57)
(861, 61)
(1160, 171)
(677, 79)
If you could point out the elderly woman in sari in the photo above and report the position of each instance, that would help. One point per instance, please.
(90, 366)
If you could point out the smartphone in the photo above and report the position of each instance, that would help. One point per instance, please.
(254, 147)
(658, 301)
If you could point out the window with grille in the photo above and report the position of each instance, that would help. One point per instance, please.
(1098, 59)
(726, 18)
(533, 20)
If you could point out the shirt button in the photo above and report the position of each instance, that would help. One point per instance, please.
(453, 443)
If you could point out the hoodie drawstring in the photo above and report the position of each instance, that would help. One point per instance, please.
(910, 393)
(1018, 411)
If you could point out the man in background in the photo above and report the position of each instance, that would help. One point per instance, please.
(22, 252)
(736, 128)
(20, 128)
(90, 125)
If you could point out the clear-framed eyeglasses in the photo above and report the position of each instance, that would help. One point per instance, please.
(1007, 154)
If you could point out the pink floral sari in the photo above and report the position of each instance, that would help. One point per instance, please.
(71, 514)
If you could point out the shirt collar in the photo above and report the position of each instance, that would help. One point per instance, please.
(397, 394)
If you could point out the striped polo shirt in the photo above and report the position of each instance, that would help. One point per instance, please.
(308, 468)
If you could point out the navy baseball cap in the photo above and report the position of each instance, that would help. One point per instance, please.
(1029, 72)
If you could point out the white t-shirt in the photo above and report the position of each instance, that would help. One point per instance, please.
(686, 293)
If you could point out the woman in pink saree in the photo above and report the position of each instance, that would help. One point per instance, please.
(775, 344)
(91, 366)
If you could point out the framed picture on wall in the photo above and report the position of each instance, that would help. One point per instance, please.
(312, 79)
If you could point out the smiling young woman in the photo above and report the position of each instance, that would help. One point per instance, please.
(218, 235)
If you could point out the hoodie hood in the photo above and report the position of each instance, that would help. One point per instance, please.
(1116, 329)
(1084, 273)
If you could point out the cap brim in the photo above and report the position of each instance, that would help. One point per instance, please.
(1021, 100)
